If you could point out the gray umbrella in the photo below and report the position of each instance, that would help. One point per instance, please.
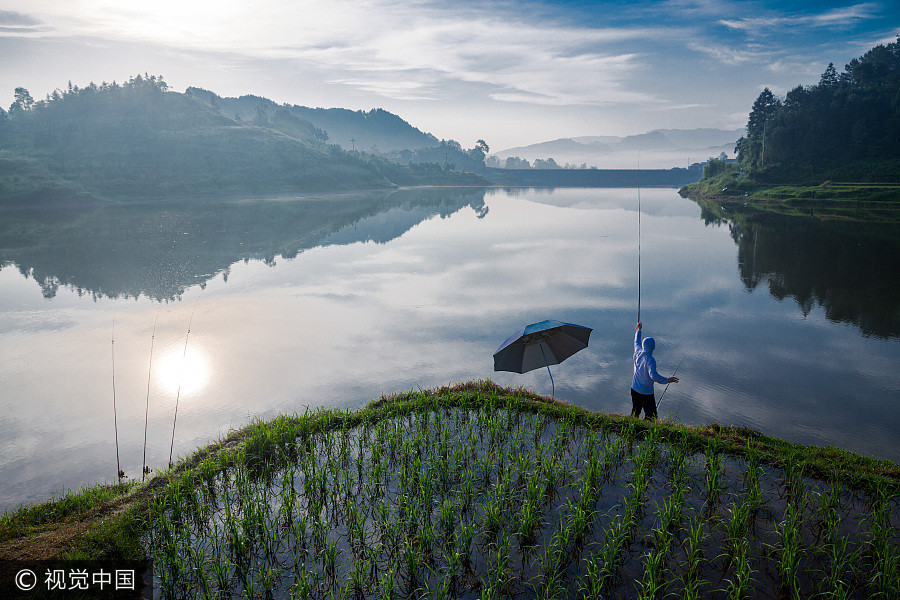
(541, 345)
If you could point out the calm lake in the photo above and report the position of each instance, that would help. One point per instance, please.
(787, 325)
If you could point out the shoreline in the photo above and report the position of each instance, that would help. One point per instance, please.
(837, 201)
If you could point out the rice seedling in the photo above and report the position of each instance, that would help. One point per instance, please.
(841, 561)
(593, 586)
(465, 536)
(794, 477)
(884, 578)
(691, 579)
(493, 511)
(528, 522)
(739, 585)
(789, 550)
(386, 588)
(738, 523)
(552, 570)
(650, 585)
(605, 565)
(713, 475)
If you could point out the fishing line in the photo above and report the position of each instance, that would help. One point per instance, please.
(145, 469)
(667, 385)
(178, 395)
(119, 470)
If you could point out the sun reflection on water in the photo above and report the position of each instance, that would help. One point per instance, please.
(188, 370)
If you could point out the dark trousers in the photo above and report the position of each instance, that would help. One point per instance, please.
(643, 401)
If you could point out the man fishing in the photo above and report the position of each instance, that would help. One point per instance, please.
(644, 376)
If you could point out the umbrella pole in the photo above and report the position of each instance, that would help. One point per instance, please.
(547, 364)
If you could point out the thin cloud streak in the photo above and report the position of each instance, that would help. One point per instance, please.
(839, 17)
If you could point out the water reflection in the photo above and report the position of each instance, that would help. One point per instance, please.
(297, 309)
(159, 249)
(848, 268)
(183, 373)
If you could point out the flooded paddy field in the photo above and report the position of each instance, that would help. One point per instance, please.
(481, 494)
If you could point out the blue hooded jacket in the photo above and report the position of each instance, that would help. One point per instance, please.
(645, 366)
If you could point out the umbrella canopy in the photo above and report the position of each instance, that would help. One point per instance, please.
(541, 345)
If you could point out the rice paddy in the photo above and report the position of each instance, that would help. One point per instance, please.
(484, 493)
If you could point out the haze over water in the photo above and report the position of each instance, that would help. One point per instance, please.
(332, 301)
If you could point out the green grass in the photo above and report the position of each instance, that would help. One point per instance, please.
(481, 491)
(25, 520)
(829, 200)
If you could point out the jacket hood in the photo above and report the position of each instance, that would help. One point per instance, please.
(648, 345)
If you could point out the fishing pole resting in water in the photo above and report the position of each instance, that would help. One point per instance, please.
(178, 395)
(145, 470)
(119, 470)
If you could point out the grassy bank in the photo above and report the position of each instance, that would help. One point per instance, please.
(478, 491)
(865, 202)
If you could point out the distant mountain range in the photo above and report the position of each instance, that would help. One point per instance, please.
(660, 148)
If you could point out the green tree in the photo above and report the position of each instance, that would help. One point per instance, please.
(763, 108)
(262, 115)
(829, 77)
(751, 149)
(23, 102)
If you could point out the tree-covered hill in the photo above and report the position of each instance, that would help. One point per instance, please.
(376, 130)
(845, 128)
(140, 139)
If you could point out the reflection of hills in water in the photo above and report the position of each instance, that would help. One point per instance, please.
(160, 249)
(849, 269)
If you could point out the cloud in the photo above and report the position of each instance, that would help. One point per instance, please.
(882, 40)
(16, 23)
(731, 55)
(17, 19)
(685, 106)
(398, 86)
(839, 17)
(384, 47)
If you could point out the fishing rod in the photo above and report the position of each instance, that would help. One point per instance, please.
(639, 233)
(178, 395)
(145, 469)
(119, 470)
(667, 385)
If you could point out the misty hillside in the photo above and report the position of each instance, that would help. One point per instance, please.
(139, 139)
(376, 130)
(660, 148)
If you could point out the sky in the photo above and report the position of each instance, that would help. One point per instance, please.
(511, 73)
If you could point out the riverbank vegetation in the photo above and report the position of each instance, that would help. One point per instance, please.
(824, 145)
(140, 139)
(477, 491)
(829, 200)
